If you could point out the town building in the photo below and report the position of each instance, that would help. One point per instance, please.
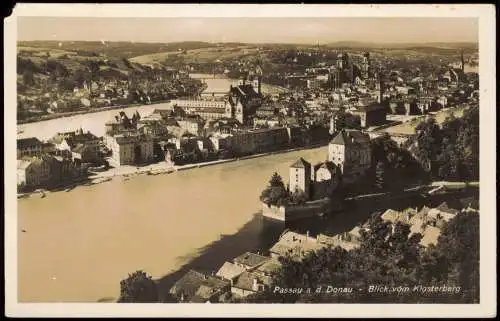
(371, 115)
(444, 212)
(230, 271)
(207, 109)
(350, 150)
(84, 145)
(131, 149)
(300, 177)
(197, 287)
(326, 178)
(428, 222)
(267, 110)
(154, 127)
(348, 241)
(28, 147)
(33, 171)
(250, 261)
(251, 141)
(248, 273)
(295, 246)
(248, 283)
(245, 98)
(192, 125)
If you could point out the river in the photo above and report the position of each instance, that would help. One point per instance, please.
(78, 245)
(94, 122)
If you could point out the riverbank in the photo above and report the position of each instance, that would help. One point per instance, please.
(127, 172)
(84, 112)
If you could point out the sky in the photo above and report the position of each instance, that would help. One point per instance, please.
(250, 30)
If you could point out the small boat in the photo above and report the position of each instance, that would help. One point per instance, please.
(43, 195)
(23, 230)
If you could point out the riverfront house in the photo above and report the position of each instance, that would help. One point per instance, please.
(131, 149)
(350, 150)
(83, 146)
(28, 147)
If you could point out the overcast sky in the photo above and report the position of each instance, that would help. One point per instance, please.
(252, 30)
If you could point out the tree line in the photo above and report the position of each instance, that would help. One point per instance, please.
(387, 257)
(450, 151)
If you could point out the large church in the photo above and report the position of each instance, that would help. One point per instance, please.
(240, 102)
(346, 70)
(246, 96)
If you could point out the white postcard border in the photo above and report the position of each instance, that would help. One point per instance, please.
(487, 63)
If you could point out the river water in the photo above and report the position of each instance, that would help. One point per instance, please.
(78, 245)
(94, 122)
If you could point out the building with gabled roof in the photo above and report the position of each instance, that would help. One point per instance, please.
(295, 245)
(229, 271)
(249, 260)
(249, 282)
(350, 150)
(444, 212)
(198, 287)
(28, 147)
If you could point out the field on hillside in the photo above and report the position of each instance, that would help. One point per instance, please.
(115, 49)
(200, 55)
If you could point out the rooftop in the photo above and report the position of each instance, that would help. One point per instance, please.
(430, 236)
(246, 280)
(350, 138)
(295, 245)
(195, 284)
(250, 259)
(28, 142)
(301, 163)
(229, 271)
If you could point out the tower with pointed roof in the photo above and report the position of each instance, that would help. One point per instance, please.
(300, 177)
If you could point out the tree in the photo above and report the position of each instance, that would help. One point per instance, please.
(344, 120)
(298, 197)
(138, 287)
(388, 255)
(275, 193)
(428, 143)
(459, 244)
(276, 180)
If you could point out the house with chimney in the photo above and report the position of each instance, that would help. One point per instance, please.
(248, 273)
(199, 287)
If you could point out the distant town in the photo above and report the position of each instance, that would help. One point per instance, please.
(395, 126)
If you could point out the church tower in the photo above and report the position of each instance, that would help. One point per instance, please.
(258, 73)
(462, 65)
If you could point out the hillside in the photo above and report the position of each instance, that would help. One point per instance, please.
(199, 55)
(114, 49)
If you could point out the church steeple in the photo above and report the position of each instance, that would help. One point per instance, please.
(462, 60)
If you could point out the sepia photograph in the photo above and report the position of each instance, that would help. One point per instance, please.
(253, 159)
